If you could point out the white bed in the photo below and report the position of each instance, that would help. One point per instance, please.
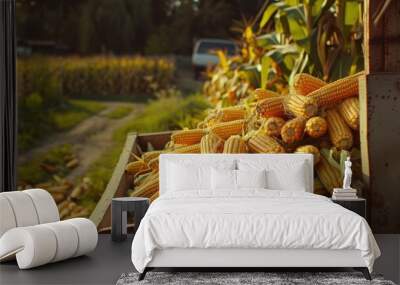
(250, 227)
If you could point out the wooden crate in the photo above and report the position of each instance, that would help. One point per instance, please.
(120, 181)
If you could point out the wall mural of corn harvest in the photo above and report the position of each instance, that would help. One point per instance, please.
(293, 89)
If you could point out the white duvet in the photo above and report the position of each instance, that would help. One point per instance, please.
(254, 218)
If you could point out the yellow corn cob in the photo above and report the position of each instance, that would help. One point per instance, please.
(195, 148)
(310, 149)
(211, 143)
(148, 188)
(304, 83)
(187, 137)
(235, 144)
(301, 106)
(141, 172)
(293, 130)
(141, 179)
(153, 164)
(226, 129)
(273, 125)
(339, 133)
(154, 196)
(271, 107)
(260, 94)
(147, 156)
(231, 114)
(316, 127)
(262, 143)
(350, 111)
(336, 91)
(328, 175)
(135, 166)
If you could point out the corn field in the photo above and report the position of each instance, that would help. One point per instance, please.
(97, 76)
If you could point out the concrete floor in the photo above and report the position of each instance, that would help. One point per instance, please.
(103, 266)
(110, 260)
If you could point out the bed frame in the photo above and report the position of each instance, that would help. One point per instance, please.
(245, 258)
(242, 259)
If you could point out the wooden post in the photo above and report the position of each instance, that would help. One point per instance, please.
(382, 39)
(379, 115)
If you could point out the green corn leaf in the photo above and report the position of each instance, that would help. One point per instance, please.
(266, 70)
(268, 13)
(351, 15)
(267, 40)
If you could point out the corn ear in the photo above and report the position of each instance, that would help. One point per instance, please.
(235, 144)
(260, 94)
(328, 175)
(304, 83)
(148, 188)
(316, 127)
(187, 137)
(211, 143)
(262, 143)
(310, 149)
(226, 129)
(273, 126)
(336, 91)
(350, 111)
(188, 149)
(135, 166)
(271, 107)
(231, 114)
(153, 164)
(147, 156)
(293, 130)
(154, 196)
(301, 106)
(339, 133)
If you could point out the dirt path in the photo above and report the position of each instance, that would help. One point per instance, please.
(89, 139)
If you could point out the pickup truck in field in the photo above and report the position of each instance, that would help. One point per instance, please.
(204, 53)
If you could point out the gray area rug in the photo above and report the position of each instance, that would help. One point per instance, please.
(233, 278)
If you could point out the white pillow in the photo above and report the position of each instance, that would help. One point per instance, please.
(281, 175)
(191, 176)
(223, 179)
(183, 178)
(251, 178)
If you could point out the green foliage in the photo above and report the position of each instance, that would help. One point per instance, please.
(73, 113)
(168, 113)
(36, 121)
(322, 38)
(33, 172)
(119, 112)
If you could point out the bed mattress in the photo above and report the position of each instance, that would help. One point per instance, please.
(250, 219)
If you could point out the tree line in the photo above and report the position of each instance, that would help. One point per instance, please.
(130, 26)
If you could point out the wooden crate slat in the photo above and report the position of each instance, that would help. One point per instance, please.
(121, 182)
(116, 182)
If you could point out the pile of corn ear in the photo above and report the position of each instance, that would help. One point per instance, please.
(312, 117)
(67, 196)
